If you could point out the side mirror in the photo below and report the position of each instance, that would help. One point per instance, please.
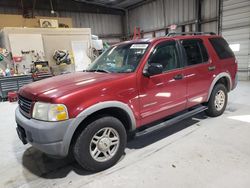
(153, 69)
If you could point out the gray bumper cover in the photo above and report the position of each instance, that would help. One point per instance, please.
(46, 136)
(54, 138)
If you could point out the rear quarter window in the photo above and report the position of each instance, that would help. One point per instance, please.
(222, 48)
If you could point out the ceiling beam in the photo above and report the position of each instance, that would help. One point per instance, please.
(65, 5)
(107, 5)
(139, 4)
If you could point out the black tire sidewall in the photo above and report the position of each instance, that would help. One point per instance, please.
(81, 148)
(212, 111)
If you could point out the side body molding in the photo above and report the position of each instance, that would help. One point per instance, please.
(85, 113)
(219, 76)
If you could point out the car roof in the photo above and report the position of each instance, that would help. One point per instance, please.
(180, 37)
(177, 37)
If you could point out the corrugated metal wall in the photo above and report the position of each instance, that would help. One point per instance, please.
(101, 24)
(210, 13)
(162, 13)
(236, 29)
(148, 17)
(179, 11)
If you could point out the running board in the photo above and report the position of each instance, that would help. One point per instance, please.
(172, 121)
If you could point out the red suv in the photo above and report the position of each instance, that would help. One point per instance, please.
(128, 88)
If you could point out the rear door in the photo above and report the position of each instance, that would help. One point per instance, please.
(163, 94)
(198, 72)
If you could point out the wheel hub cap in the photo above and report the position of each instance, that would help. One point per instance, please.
(219, 100)
(104, 144)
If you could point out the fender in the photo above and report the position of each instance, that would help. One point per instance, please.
(85, 113)
(216, 78)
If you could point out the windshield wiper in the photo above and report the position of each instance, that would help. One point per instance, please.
(98, 70)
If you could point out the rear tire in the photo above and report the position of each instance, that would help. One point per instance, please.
(218, 101)
(101, 144)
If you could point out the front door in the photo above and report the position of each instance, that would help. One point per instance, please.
(163, 94)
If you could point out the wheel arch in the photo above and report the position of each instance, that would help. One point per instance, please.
(223, 78)
(113, 108)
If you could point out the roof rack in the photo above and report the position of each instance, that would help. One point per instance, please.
(190, 33)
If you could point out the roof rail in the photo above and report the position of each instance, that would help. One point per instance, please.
(190, 33)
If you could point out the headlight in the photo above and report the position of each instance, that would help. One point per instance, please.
(50, 112)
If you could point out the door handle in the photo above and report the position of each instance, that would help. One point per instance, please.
(178, 77)
(211, 68)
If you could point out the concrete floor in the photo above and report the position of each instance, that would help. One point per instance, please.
(198, 152)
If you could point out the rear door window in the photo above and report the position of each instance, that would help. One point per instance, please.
(222, 48)
(196, 52)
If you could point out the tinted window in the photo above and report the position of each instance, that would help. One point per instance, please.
(165, 54)
(222, 48)
(195, 51)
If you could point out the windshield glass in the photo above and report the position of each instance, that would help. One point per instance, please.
(119, 59)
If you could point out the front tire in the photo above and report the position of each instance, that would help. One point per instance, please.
(218, 101)
(101, 144)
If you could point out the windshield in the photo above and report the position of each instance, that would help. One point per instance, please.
(119, 59)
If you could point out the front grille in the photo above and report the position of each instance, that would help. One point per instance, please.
(25, 105)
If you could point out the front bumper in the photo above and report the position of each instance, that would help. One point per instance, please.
(45, 136)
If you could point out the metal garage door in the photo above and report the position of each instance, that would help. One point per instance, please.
(236, 29)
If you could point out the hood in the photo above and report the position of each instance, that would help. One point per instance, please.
(64, 84)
